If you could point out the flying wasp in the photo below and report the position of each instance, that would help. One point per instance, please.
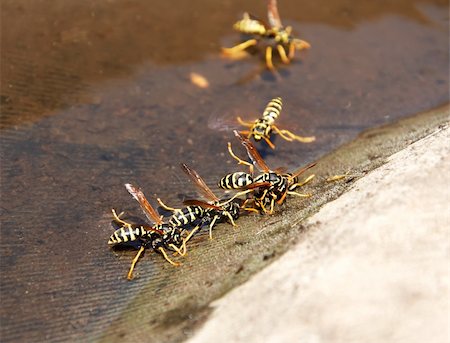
(273, 36)
(210, 213)
(269, 186)
(262, 128)
(159, 236)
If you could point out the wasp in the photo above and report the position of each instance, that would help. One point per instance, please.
(160, 236)
(263, 127)
(274, 35)
(210, 213)
(269, 186)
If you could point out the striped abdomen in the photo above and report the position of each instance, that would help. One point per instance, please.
(272, 110)
(249, 26)
(128, 234)
(235, 180)
(186, 216)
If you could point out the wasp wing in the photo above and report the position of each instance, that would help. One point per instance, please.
(200, 203)
(252, 152)
(139, 196)
(199, 182)
(272, 14)
(303, 169)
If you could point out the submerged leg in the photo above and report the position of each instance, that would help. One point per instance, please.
(136, 258)
(163, 252)
(269, 143)
(289, 136)
(282, 53)
(240, 47)
(269, 63)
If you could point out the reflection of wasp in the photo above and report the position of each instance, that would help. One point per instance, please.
(268, 187)
(208, 212)
(159, 237)
(275, 36)
(262, 128)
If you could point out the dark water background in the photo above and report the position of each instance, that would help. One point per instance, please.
(97, 93)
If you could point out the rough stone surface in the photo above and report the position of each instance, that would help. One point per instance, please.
(373, 266)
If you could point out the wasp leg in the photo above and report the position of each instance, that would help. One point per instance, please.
(238, 194)
(269, 63)
(164, 206)
(289, 136)
(230, 151)
(264, 209)
(231, 219)
(280, 201)
(269, 143)
(301, 44)
(181, 252)
(240, 47)
(291, 50)
(245, 123)
(272, 206)
(282, 53)
(260, 201)
(302, 195)
(136, 258)
(338, 177)
(163, 252)
(304, 182)
(193, 231)
(250, 209)
(212, 225)
(246, 133)
(117, 218)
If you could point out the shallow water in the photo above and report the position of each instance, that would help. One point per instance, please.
(97, 95)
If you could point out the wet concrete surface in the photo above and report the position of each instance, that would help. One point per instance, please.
(96, 95)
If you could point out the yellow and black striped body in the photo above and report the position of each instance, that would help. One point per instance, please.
(162, 235)
(272, 35)
(262, 128)
(186, 216)
(129, 235)
(247, 25)
(236, 180)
